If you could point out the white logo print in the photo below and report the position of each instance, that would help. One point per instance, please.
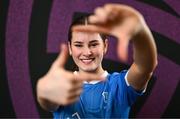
(77, 115)
(105, 96)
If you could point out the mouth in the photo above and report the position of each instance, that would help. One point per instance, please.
(87, 61)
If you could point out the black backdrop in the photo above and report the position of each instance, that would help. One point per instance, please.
(14, 100)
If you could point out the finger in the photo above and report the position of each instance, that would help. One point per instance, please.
(90, 77)
(100, 16)
(116, 6)
(67, 101)
(112, 12)
(76, 86)
(77, 83)
(94, 19)
(72, 100)
(90, 28)
(62, 58)
(73, 97)
(75, 93)
(123, 50)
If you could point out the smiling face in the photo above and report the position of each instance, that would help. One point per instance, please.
(87, 50)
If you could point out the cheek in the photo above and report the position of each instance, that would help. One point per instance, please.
(75, 52)
(99, 54)
(100, 51)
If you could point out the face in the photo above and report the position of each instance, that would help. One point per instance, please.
(87, 50)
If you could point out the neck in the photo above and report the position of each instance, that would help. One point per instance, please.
(98, 71)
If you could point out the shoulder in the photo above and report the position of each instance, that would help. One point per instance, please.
(117, 77)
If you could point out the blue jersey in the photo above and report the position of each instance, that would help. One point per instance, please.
(111, 98)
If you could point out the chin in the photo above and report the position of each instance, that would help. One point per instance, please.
(89, 69)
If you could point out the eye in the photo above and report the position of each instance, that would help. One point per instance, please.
(94, 44)
(78, 45)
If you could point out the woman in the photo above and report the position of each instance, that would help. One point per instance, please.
(91, 92)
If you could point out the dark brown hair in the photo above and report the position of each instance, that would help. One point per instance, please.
(80, 18)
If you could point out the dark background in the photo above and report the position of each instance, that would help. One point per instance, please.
(39, 59)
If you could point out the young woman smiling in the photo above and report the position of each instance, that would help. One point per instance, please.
(91, 92)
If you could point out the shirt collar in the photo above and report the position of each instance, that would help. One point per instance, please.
(94, 82)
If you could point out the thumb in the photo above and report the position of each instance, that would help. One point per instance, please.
(62, 58)
(123, 50)
(90, 28)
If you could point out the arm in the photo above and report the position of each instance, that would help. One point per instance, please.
(59, 86)
(145, 58)
(126, 23)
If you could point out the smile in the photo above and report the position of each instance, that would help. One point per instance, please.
(87, 61)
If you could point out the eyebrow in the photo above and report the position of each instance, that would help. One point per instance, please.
(79, 42)
(93, 41)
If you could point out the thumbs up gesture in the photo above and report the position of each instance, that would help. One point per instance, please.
(59, 86)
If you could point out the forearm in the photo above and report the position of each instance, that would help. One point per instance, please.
(144, 48)
(42, 97)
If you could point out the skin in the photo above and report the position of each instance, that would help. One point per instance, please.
(87, 50)
(59, 87)
(125, 24)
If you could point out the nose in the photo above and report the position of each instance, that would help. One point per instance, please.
(87, 51)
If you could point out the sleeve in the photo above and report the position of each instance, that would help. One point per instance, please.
(127, 92)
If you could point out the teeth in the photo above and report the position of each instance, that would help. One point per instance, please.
(86, 61)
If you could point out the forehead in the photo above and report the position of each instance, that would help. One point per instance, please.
(85, 36)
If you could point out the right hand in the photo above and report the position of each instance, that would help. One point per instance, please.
(121, 21)
(60, 86)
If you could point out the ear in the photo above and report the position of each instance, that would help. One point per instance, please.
(105, 46)
(69, 47)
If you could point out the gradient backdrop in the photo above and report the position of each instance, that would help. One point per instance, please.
(32, 30)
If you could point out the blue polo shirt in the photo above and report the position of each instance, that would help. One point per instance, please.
(111, 98)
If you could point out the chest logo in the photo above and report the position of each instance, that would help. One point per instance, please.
(105, 96)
